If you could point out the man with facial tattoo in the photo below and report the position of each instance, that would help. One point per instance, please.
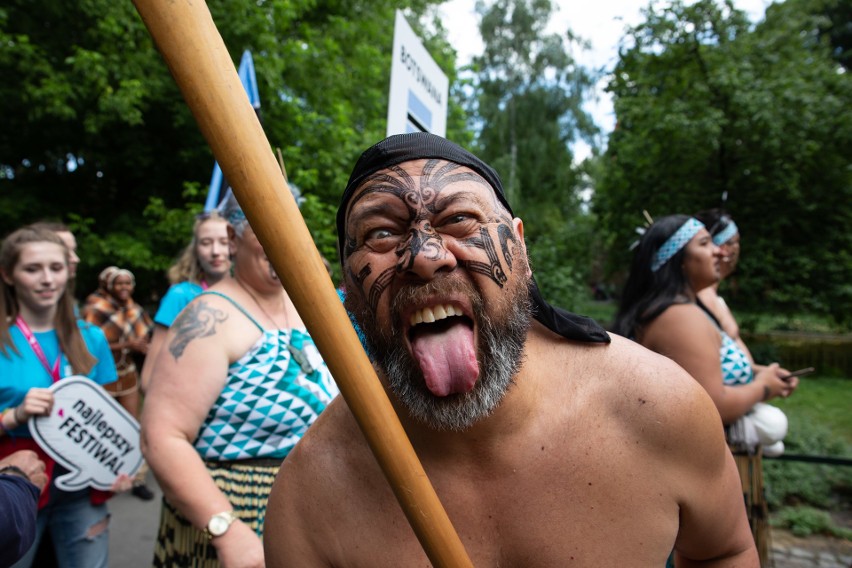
(548, 441)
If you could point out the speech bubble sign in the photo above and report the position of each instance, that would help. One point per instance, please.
(89, 433)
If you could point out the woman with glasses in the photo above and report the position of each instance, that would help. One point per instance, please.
(203, 263)
(674, 260)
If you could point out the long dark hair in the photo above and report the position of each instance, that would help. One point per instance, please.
(70, 340)
(647, 294)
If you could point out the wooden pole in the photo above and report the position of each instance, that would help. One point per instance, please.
(197, 58)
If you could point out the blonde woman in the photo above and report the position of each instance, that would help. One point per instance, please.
(203, 263)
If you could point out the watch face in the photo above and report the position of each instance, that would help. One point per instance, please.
(218, 525)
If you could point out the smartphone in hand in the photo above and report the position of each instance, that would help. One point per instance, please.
(799, 373)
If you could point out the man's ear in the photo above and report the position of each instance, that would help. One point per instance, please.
(519, 230)
(232, 245)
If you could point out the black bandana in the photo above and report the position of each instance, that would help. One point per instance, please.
(401, 148)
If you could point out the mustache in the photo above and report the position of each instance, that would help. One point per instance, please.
(441, 287)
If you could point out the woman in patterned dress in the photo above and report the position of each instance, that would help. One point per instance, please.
(127, 327)
(236, 385)
(675, 258)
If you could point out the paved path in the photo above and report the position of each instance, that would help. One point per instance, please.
(134, 528)
(789, 551)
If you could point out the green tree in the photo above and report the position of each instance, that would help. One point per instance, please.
(528, 94)
(96, 133)
(707, 105)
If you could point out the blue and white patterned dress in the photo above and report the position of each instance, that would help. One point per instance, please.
(272, 394)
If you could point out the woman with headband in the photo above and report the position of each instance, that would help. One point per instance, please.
(675, 258)
(726, 236)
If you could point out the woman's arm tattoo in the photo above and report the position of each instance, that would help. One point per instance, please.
(197, 320)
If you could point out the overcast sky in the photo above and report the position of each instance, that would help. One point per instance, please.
(601, 22)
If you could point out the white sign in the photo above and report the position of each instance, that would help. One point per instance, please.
(418, 87)
(89, 433)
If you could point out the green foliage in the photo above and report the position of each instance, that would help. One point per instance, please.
(820, 425)
(802, 495)
(319, 217)
(562, 251)
(97, 134)
(805, 521)
(527, 96)
(707, 104)
(821, 402)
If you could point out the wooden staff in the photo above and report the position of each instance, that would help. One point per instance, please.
(197, 58)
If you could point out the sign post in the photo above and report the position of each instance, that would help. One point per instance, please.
(418, 87)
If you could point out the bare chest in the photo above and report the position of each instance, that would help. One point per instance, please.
(539, 508)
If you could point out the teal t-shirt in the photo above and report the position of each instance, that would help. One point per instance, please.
(19, 373)
(175, 300)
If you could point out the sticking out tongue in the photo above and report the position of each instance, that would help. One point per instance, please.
(447, 356)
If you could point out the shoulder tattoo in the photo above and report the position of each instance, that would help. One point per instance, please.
(197, 320)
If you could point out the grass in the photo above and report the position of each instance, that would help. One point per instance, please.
(763, 322)
(810, 498)
(822, 400)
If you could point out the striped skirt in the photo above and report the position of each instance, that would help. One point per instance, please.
(246, 484)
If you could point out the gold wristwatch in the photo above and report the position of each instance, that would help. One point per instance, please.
(219, 524)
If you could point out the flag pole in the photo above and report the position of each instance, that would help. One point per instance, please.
(189, 42)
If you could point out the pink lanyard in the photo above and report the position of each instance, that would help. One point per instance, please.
(204, 285)
(31, 339)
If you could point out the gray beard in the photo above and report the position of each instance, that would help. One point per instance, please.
(500, 353)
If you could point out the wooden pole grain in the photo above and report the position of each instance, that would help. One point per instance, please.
(189, 42)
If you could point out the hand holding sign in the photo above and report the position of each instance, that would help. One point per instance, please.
(89, 433)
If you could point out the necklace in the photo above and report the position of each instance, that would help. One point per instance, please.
(262, 309)
(297, 354)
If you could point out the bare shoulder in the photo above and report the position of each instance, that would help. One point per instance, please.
(682, 315)
(640, 390)
(211, 321)
(634, 374)
(681, 328)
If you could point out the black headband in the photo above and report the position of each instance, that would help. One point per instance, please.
(401, 148)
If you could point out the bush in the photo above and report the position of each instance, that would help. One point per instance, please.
(805, 483)
(805, 521)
